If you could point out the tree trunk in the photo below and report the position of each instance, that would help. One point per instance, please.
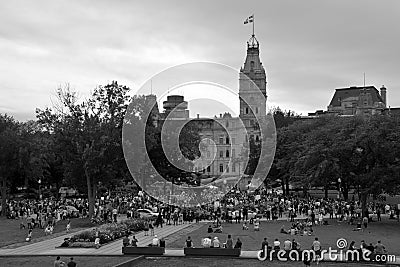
(287, 187)
(283, 188)
(345, 192)
(3, 196)
(305, 192)
(90, 193)
(363, 199)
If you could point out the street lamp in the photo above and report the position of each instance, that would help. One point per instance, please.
(40, 182)
(340, 187)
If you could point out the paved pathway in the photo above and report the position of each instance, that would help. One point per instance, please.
(48, 247)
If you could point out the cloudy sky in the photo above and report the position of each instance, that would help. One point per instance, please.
(307, 47)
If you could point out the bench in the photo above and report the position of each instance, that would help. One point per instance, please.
(233, 252)
(143, 250)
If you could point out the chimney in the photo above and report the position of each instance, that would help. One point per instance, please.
(383, 94)
(220, 115)
(198, 115)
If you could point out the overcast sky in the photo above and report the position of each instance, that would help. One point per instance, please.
(308, 48)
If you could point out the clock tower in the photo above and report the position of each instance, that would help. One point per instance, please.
(252, 85)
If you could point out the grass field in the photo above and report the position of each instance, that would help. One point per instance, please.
(44, 261)
(388, 231)
(218, 262)
(12, 236)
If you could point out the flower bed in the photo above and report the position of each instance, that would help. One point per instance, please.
(106, 233)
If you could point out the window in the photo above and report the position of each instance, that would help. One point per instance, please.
(233, 153)
(251, 65)
(221, 140)
(221, 154)
(233, 167)
(257, 110)
(227, 168)
(221, 168)
(257, 138)
(208, 169)
(247, 110)
(227, 123)
(227, 140)
(233, 140)
(227, 153)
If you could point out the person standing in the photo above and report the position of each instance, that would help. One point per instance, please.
(316, 246)
(71, 263)
(189, 242)
(134, 242)
(68, 227)
(378, 215)
(58, 262)
(238, 244)
(229, 242)
(155, 242)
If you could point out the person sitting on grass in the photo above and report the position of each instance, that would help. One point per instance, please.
(358, 228)
(219, 229)
(209, 229)
(245, 227)
(283, 231)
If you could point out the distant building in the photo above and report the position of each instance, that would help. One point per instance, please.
(363, 100)
(225, 131)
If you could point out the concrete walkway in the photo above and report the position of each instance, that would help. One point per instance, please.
(48, 247)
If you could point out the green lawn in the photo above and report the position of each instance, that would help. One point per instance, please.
(12, 236)
(388, 231)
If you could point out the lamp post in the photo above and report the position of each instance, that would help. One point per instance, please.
(40, 193)
(340, 186)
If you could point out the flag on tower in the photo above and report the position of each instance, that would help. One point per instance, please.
(249, 19)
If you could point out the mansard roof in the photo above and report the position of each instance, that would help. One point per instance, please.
(354, 91)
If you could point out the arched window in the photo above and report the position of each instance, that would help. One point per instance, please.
(221, 168)
(227, 153)
(251, 65)
(257, 138)
(247, 110)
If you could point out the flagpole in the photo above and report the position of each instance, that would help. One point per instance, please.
(253, 23)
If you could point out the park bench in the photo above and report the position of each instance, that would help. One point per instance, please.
(233, 252)
(143, 250)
